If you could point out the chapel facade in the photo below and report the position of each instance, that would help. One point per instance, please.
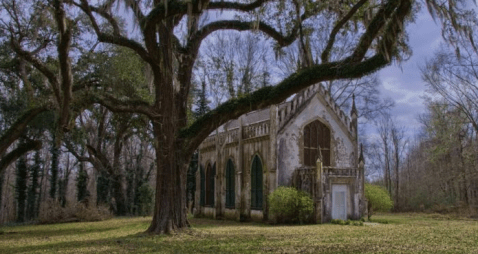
(307, 142)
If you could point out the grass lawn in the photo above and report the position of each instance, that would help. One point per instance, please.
(405, 233)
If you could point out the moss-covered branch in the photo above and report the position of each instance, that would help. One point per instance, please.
(17, 152)
(376, 25)
(337, 27)
(116, 105)
(172, 8)
(244, 26)
(267, 96)
(245, 7)
(17, 128)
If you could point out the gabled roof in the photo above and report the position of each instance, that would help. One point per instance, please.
(288, 110)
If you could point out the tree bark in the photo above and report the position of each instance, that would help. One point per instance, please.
(170, 211)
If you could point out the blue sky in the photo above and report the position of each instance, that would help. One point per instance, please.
(403, 83)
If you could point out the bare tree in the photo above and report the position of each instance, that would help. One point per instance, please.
(384, 130)
(397, 135)
(455, 78)
(232, 64)
(441, 169)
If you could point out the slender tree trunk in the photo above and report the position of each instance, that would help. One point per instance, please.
(43, 174)
(32, 192)
(2, 176)
(55, 152)
(119, 178)
(397, 178)
(21, 188)
(119, 193)
(464, 176)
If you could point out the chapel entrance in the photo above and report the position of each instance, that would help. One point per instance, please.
(339, 202)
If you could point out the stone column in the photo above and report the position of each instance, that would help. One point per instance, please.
(318, 207)
(271, 177)
(240, 196)
(361, 181)
(197, 194)
(218, 204)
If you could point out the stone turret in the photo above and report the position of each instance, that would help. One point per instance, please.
(354, 117)
(361, 174)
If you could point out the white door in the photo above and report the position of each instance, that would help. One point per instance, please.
(339, 202)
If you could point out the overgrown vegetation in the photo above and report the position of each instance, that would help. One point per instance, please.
(378, 199)
(288, 205)
(407, 233)
(53, 212)
(146, 199)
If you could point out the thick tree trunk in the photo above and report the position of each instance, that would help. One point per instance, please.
(170, 211)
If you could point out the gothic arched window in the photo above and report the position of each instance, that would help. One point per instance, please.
(256, 184)
(316, 141)
(202, 200)
(230, 184)
(210, 175)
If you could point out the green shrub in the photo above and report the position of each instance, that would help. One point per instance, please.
(347, 222)
(358, 223)
(288, 205)
(378, 199)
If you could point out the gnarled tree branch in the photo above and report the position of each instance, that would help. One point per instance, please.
(378, 22)
(64, 43)
(222, 5)
(116, 38)
(120, 106)
(18, 152)
(17, 128)
(267, 96)
(337, 27)
(49, 74)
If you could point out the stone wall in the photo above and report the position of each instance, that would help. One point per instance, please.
(241, 145)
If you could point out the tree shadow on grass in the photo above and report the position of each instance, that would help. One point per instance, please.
(136, 243)
(197, 240)
(207, 223)
(57, 232)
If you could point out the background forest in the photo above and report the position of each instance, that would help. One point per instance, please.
(87, 160)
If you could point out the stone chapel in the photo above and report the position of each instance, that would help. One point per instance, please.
(307, 142)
